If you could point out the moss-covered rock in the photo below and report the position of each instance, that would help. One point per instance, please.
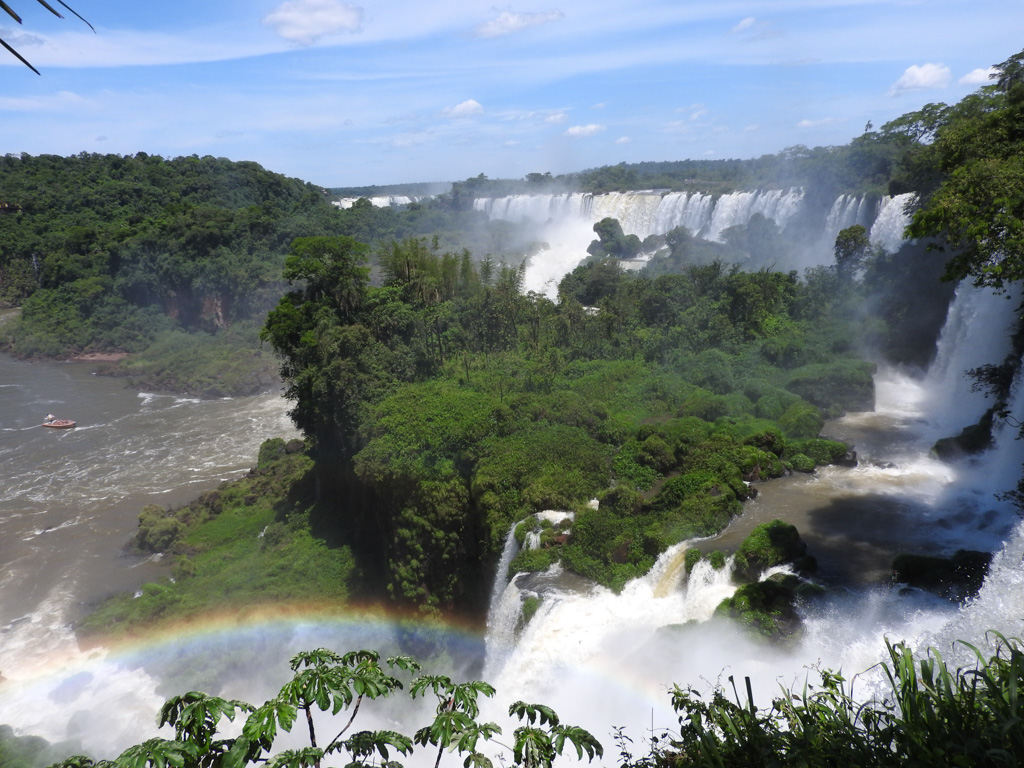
(278, 474)
(529, 609)
(801, 463)
(769, 545)
(532, 560)
(766, 608)
(822, 452)
(158, 529)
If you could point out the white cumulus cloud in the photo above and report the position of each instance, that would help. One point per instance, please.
(979, 76)
(306, 21)
(509, 21)
(919, 77)
(584, 130)
(465, 109)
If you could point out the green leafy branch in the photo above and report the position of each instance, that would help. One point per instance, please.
(328, 681)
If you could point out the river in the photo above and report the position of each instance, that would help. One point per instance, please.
(69, 499)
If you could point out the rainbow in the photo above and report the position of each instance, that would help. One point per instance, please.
(103, 694)
(104, 697)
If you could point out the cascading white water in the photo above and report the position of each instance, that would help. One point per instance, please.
(892, 219)
(846, 211)
(576, 629)
(503, 611)
(565, 222)
(779, 205)
(976, 332)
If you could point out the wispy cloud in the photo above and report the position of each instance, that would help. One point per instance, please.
(467, 108)
(508, 22)
(306, 21)
(752, 29)
(816, 123)
(744, 25)
(59, 102)
(557, 117)
(623, 140)
(917, 78)
(584, 130)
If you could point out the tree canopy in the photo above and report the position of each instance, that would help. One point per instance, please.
(977, 206)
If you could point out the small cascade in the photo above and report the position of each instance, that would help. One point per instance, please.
(706, 587)
(501, 579)
(505, 609)
(976, 333)
(574, 622)
(1003, 468)
(892, 219)
(668, 574)
(846, 211)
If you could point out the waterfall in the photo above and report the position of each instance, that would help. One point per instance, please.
(384, 201)
(892, 219)
(579, 624)
(564, 222)
(846, 211)
(976, 332)
(737, 208)
(502, 613)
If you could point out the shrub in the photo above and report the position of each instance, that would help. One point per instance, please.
(801, 463)
(532, 561)
(837, 386)
(801, 420)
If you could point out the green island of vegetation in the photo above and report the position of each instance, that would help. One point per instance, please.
(441, 408)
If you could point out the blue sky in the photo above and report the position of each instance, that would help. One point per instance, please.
(358, 92)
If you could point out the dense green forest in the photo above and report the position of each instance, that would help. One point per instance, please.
(176, 261)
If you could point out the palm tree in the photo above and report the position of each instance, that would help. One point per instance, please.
(17, 18)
